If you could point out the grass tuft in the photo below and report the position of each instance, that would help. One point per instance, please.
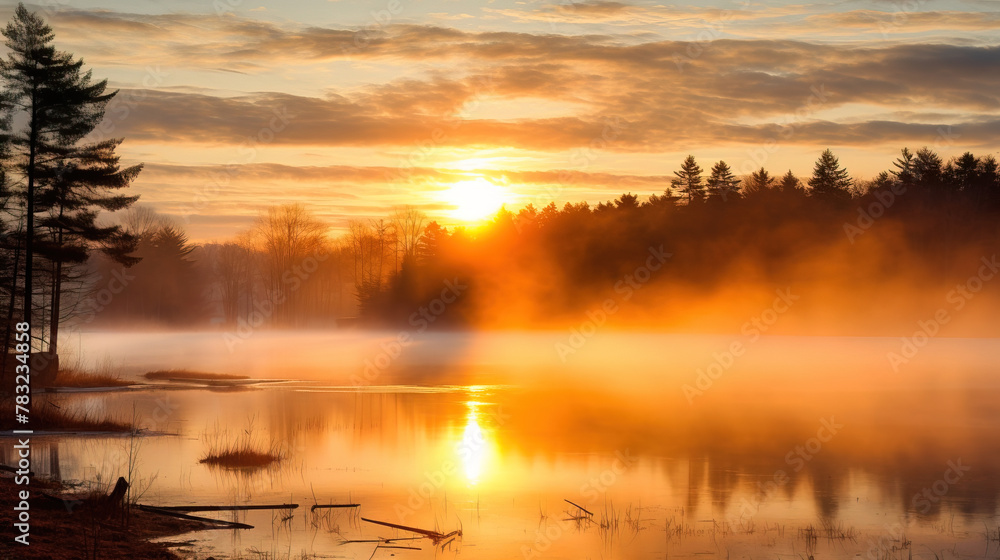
(244, 452)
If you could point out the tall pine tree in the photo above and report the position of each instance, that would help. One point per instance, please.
(67, 181)
(830, 181)
(722, 183)
(688, 180)
(757, 183)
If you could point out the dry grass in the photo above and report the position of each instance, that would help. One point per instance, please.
(185, 375)
(73, 531)
(47, 416)
(71, 378)
(240, 456)
(244, 452)
(104, 373)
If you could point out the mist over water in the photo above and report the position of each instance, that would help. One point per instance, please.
(698, 448)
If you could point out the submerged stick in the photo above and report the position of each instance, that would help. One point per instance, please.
(219, 522)
(581, 508)
(325, 506)
(226, 508)
(431, 534)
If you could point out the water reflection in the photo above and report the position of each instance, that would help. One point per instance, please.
(473, 450)
(754, 453)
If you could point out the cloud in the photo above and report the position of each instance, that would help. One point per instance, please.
(630, 14)
(899, 21)
(664, 95)
(364, 175)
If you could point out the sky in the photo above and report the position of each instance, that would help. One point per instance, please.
(353, 107)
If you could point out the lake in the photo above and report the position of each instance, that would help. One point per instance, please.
(630, 445)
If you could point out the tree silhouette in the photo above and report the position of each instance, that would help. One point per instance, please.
(66, 182)
(790, 184)
(627, 201)
(722, 184)
(830, 182)
(904, 171)
(758, 183)
(928, 169)
(688, 180)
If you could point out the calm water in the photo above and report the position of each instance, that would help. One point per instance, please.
(798, 446)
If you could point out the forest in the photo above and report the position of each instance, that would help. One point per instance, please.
(703, 254)
(722, 244)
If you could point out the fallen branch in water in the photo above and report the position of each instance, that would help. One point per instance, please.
(218, 522)
(326, 506)
(225, 508)
(581, 508)
(434, 536)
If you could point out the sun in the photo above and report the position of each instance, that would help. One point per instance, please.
(475, 199)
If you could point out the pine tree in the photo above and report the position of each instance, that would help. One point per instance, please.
(627, 201)
(665, 201)
(789, 184)
(929, 171)
(722, 183)
(688, 180)
(904, 168)
(882, 182)
(830, 181)
(66, 181)
(757, 183)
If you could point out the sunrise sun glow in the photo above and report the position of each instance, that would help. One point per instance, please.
(475, 199)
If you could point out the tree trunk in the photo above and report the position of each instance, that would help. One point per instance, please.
(10, 307)
(56, 299)
(29, 229)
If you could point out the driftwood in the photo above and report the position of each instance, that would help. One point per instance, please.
(581, 508)
(434, 536)
(106, 505)
(217, 522)
(225, 508)
(326, 506)
(70, 505)
(5, 468)
(117, 496)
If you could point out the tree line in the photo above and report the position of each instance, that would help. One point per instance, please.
(915, 224)
(65, 263)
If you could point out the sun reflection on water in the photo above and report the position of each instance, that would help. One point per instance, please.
(473, 449)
